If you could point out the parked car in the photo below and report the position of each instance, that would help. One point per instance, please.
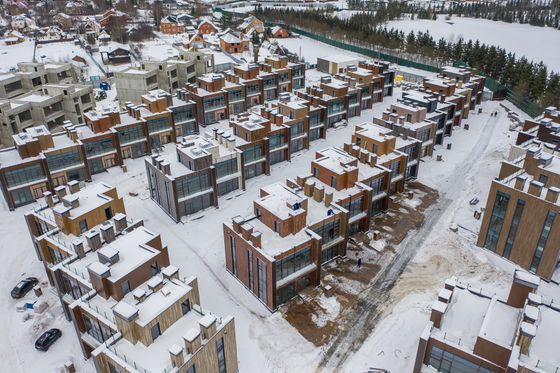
(23, 287)
(47, 339)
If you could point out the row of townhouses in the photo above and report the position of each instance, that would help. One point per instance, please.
(298, 226)
(132, 310)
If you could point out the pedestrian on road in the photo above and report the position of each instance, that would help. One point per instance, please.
(359, 262)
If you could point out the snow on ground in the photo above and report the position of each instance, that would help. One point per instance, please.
(64, 52)
(156, 49)
(465, 172)
(513, 37)
(17, 352)
(311, 49)
(10, 55)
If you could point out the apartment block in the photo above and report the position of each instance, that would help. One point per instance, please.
(340, 100)
(191, 180)
(474, 330)
(30, 76)
(519, 222)
(399, 153)
(410, 121)
(51, 105)
(132, 310)
(296, 227)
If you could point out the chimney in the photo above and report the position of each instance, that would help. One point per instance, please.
(60, 191)
(176, 355)
(319, 193)
(401, 119)
(535, 188)
(526, 334)
(364, 156)
(246, 230)
(207, 326)
(139, 295)
(71, 200)
(523, 284)
(107, 232)
(155, 283)
(438, 310)
(308, 188)
(48, 198)
(107, 255)
(520, 182)
(552, 194)
(78, 246)
(170, 272)
(237, 222)
(166, 168)
(120, 222)
(530, 314)
(93, 239)
(256, 238)
(192, 341)
(328, 199)
(73, 186)
(74, 135)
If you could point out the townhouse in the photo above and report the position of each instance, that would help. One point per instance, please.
(400, 154)
(447, 88)
(203, 168)
(168, 75)
(30, 76)
(466, 79)
(217, 96)
(296, 227)
(42, 160)
(545, 128)
(410, 120)
(437, 110)
(132, 310)
(519, 221)
(382, 69)
(474, 330)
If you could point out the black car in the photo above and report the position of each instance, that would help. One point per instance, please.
(23, 287)
(47, 339)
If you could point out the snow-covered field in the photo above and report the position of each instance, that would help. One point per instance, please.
(535, 43)
(10, 55)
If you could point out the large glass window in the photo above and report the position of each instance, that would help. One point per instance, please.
(542, 241)
(99, 146)
(235, 95)
(228, 186)
(261, 280)
(221, 355)
(131, 134)
(336, 107)
(446, 362)
(329, 231)
(297, 129)
(513, 227)
(192, 184)
(276, 141)
(250, 268)
(63, 160)
(253, 153)
(292, 263)
(225, 168)
(377, 185)
(195, 204)
(214, 103)
(496, 221)
(24, 175)
(354, 207)
(183, 114)
(159, 124)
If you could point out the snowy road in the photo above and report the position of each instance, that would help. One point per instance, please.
(373, 302)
